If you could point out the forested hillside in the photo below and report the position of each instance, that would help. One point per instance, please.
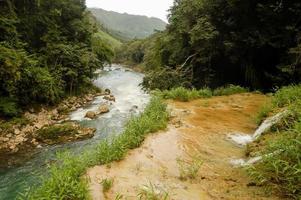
(48, 49)
(212, 43)
(128, 26)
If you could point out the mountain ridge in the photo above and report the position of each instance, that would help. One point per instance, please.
(128, 25)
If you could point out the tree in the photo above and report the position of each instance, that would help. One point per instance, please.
(250, 43)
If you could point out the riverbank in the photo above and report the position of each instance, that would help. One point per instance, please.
(20, 138)
(198, 130)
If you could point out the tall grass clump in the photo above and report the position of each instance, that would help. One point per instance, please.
(152, 192)
(263, 113)
(107, 184)
(281, 169)
(184, 94)
(229, 90)
(287, 95)
(65, 181)
(189, 169)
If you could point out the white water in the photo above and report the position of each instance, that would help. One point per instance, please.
(243, 162)
(244, 139)
(125, 88)
(250, 161)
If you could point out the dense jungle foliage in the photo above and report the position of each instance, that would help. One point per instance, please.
(48, 49)
(254, 44)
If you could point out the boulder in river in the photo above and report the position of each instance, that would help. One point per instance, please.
(109, 98)
(103, 109)
(91, 115)
(107, 92)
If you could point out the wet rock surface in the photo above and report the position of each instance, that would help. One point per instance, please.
(109, 98)
(103, 109)
(91, 115)
(19, 139)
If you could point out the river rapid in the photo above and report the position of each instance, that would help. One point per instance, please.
(130, 100)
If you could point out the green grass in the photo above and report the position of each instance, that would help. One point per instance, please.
(282, 169)
(287, 95)
(189, 169)
(65, 181)
(263, 113)
(9, 107)
(229, 90)
(152, 192)
(55, 131)
(9, 125)
(107, 184)
(184, 94)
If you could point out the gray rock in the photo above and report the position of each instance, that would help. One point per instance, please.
(107, 91)
(103, 109)
(91, 115)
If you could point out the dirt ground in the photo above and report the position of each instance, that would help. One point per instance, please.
(197, 129)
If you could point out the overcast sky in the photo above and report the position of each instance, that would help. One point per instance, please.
(150, 8)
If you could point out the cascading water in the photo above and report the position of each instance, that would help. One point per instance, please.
(130, 100)
(244, 139)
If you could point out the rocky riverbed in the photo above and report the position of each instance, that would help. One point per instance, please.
(20, 138)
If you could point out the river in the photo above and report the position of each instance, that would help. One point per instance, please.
(130, 100)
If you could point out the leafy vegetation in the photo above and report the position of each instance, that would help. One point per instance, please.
(56, 131)
(108, 39)
(107, 184)
(65, 178)
(48, 49)
(263, 113)
(254, 44)
(189, 169)
(287, 96)
(151, 192)
(128, 26)
(184, 94)
(229, 90)
(281, 170)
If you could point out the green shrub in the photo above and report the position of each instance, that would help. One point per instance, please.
(287, 95)
(107, 184)
(64, 181)
(263, 113)
(205, 93)
(163, 79)
(183, 94)
(152, 192)
(38, 85)
(55, 131)
(281, 169)
(189, 169)
(8, 107)
(229, 90)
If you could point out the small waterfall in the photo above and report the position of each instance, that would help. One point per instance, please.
(243, 139)
(268, 123)
(243, 162)
(250, 161)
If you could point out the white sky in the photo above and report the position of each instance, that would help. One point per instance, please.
(150, 8)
